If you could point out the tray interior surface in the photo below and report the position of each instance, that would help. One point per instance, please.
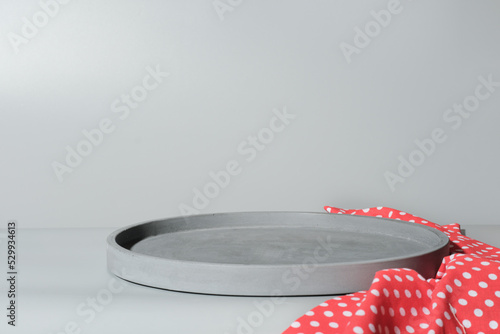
(263, 245)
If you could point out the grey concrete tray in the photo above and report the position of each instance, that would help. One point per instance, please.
(271, 253)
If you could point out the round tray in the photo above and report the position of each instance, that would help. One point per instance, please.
(271, 253)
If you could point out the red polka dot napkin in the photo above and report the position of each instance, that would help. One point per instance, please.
(464, 297)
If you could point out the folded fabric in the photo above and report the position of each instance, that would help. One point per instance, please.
(464, 297)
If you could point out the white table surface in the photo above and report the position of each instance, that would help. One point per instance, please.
(59, 269)
(62, 271)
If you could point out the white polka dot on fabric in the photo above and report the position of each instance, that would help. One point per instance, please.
(328, 314)
(462, 301)
(441, 295)
(342, 304)
(347, 313)
(429, 293)
(493, 324)
(476, 268)
(314, 324)
(396, 293)
(333, 325)
(485, 263)
(414, 311)
(402, 311)
(457, 282)
(424, 325)
(391, 311)
(358, 330)
(449, 288)
(431, 332)
(478, 312)
(472, 293)
(409, 278)
(466, 323)
(360, 313)
(396, 330)
(459, 263)
(374, 309)
(459, 331)
(323, 304)
(492, 277)
(483, 285)
(310, 313)
(447, 315)
(426, 310)
(372, 328)
(387, 278)
(407, 293)
(296, 324)
(439, 322)
(398, 278)
(375, 292)
(497, 293)
(418, 293)
(466, 275)
(489, 302)
(386, 292)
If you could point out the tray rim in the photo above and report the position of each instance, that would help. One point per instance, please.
(443, 242)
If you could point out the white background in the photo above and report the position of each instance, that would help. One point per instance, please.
(353, 120)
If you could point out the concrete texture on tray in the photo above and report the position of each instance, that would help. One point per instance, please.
(258, 253)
